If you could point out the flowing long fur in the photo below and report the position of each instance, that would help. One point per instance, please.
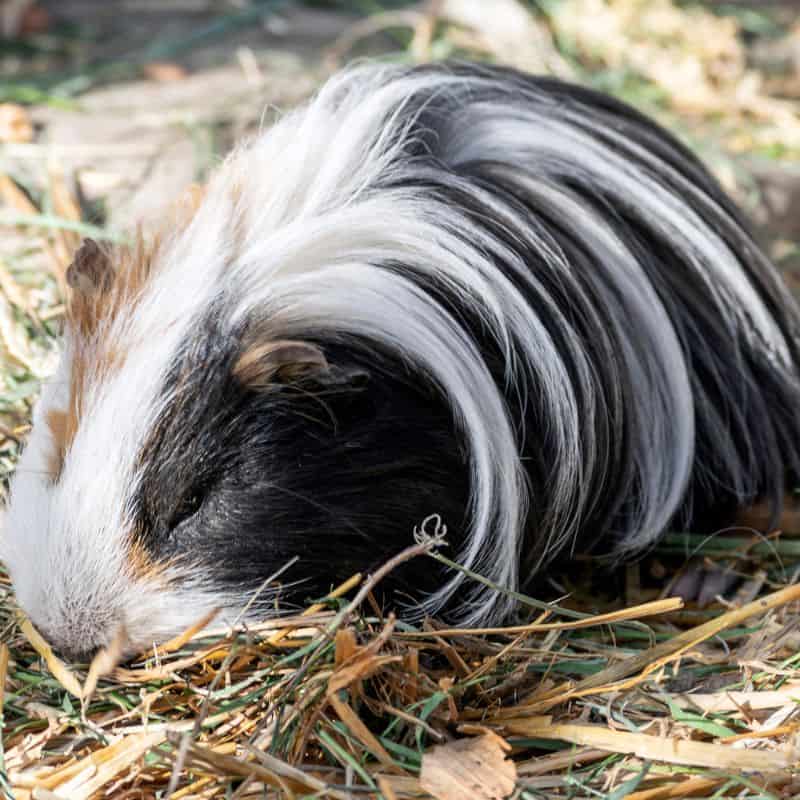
(521, 304)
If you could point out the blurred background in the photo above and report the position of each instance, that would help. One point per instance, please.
(109, 108)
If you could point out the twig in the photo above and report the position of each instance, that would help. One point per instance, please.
(419, 548)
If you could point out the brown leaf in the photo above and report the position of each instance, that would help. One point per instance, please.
(475, 768)
(15, 124)
(358, 670)
(346, 645)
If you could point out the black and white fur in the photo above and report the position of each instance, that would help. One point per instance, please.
(540, 318)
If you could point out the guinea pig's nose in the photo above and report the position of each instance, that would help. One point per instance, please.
(80, 654)
(70, 651)
(83, 649)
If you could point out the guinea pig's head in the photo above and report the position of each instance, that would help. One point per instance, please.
(155, 485)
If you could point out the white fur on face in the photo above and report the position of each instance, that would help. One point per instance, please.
(65, 544)
(297, 229)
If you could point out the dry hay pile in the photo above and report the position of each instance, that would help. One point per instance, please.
(345, 701)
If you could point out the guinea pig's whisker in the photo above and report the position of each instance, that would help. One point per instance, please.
(262, 588)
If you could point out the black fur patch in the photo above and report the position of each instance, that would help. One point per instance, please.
(336, 469)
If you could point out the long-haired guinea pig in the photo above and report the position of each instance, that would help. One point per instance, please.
(506, 300)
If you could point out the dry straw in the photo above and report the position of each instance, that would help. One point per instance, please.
(340, 702)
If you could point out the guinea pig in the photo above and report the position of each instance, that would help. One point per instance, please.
(458, 290)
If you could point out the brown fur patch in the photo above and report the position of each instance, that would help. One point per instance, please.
(57, 421)
(114, 276)
(142, 566)
(107, 281)
(127, 271)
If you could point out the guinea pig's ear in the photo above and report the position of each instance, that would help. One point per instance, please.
(284, 361)
(90, 272)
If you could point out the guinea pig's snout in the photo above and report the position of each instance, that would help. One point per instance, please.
(80, 643)
(82, 654)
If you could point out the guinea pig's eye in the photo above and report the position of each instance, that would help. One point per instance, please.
(189, 505)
